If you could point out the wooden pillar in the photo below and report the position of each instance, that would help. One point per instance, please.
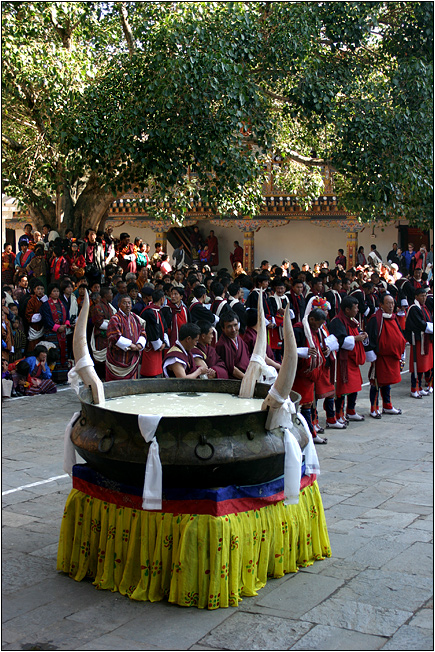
(161, 236)
(352, 248)
(248, 251)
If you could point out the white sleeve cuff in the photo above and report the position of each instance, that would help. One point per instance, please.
(429, 328)
(216, 320)
(166, 339)
(370, 356)
(157, 344)
(292, 314)
(142, 341)
(404, 302)
(366, 312)
(36, 317)
(44, 298)
(302, 351)
(123, 343)
(332, 343)
(349, 343)
(104, 325)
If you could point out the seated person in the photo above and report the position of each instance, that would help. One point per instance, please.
(231, 348)
(205, 355)
(178, 361)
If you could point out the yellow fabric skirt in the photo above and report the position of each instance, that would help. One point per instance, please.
(190, 559)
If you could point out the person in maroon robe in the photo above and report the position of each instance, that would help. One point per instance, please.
(237, 255)
(250, 337)
(101, 314)
(179, 361)
(213, 248)
(231, 348)
(125, 341)
(385, 352)
(204, 354)
(351, 356)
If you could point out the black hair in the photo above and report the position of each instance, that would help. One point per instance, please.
(217, 288)
(157, 295)
(104, 291)
(132, 286)
(227, 316)
(188, 330)
(40, 348)
(348, 302)
(204, 326)
(233, 288)
(251, 317)
(51, 287)
(199, 291)
(318, 314)
(23, 368)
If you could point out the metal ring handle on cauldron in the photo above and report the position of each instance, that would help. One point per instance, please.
(203, 442)
(109, 434)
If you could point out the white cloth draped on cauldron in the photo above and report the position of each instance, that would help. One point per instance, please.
(152, 488)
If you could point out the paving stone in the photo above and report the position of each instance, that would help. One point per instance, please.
(358, 616)
(375, 553)
(113, 642)
(423, 618)
(379, 588)
(13, 539)
(182, 627)
(410, 638)
(343, 570)
(322, 637)
(416, 493)
(376, 522)
(243, 631)
(417, 559)
(20, 570)
(343, 545)
(302, 593)
(11, 519)
(393, 505)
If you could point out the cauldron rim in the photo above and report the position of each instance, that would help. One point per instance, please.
(171, 385)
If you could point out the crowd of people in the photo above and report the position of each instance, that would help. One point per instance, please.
(187, 318)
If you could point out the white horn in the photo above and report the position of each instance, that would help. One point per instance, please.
(81, 353)
(253, 372)
(287, 373)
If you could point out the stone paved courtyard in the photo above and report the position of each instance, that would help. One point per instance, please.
(374, 593)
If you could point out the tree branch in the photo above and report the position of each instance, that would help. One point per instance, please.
(12, 144)
(306, 160)
(126, 27)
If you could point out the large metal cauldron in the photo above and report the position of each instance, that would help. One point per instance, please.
(196, 451)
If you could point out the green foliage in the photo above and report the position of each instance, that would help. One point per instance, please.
(192, 103)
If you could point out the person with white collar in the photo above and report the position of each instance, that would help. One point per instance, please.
(419, 333)
(386, 353)
(125, 341)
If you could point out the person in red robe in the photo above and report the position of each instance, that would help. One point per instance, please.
(419, 333)
(126, 255)
(213, 248)
(231, 348)
(180, 314)
(32, 315)
(310, 360)
(152, 357)
(277, 304)
(125, 341)
(101, 314)
(237, 255)
(179, 361)
(204, 354)
(351, 356)
(8, 264)
(385, 352)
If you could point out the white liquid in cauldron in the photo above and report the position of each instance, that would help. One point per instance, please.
(183, 404)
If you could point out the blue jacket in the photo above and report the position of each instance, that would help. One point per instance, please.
(32, 364)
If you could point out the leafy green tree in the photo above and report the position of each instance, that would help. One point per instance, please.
(189, 100)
